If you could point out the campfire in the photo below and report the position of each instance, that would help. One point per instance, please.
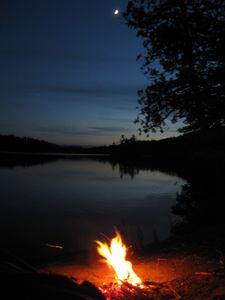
(127, 284)
(115, 256)
(158, 277)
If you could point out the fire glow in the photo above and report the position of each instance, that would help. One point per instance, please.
(115, 256)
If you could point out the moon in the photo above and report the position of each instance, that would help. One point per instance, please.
(116, 12)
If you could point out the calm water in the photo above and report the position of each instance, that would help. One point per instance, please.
(71, 202)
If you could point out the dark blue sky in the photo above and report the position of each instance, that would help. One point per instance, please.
(68, 71)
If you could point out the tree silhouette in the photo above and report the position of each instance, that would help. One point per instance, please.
(184, 62)
(200, 206)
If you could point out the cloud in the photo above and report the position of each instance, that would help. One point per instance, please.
(62, 56)
(115, 119)
(73, 132)
(59, 130)
(89, 90)
(97, 90)
(106, 129)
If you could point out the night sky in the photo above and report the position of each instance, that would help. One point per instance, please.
(68, 71)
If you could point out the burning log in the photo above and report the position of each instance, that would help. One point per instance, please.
(149, 291)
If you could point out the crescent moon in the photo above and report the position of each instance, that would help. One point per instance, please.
(116, 12)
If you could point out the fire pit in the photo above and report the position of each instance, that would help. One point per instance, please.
(127, 284)
(166, 274)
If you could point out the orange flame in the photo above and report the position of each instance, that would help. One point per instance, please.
(115, 256)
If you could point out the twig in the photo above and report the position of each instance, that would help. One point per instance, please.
(54, 246)
(176, 295)
(204, 273)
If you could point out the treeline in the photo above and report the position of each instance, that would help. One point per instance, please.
(210, 144)
(12, 143)
(194, 146)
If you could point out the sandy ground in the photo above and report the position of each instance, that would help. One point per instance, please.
(187, 276)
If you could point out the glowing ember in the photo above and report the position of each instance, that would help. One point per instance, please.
(115, 256)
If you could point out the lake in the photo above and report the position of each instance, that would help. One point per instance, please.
(74, 201)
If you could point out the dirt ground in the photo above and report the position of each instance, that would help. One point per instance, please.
(171, 276)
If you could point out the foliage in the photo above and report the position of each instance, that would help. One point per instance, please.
(127, 141)
(184, 62)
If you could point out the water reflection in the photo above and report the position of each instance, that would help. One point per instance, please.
(200, 206)
(71, 200)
